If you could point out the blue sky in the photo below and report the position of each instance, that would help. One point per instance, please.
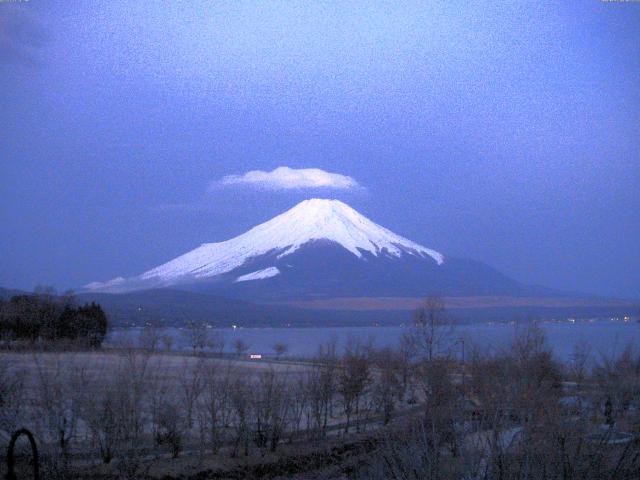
(500, 132)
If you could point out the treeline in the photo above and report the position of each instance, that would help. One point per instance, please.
(45, 317)
(511, 414)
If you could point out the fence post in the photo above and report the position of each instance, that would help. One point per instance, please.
(34, 453)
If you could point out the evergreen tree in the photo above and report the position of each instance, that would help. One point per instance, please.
(47, 317)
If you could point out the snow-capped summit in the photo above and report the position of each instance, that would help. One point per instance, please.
(309, 221)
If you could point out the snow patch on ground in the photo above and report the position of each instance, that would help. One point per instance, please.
(259, 274)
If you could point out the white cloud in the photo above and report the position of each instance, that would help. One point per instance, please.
(283, 178)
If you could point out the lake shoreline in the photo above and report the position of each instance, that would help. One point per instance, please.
(604, 337)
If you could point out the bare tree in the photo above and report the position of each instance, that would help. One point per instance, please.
(241, 347)
(322, 382)
(270, 408)
(618, 378)
(241, 399)
(167, 342)
(280, 348)
(353, 379)
(102, 412)
(191, 386)
(432, 329)
(405, 355)
(534, 378)
(318, 402)
(299, 404)
(60, 395)
(387, 386)
(441, 404)
(215, 403)
(580, 360)
(196, 336)
(217, 342)
(148, 338)
(133, 375)
(168, 430)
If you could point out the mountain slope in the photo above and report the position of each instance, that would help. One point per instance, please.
(322, 269)
(310, 221)
(321, 249)
(174, 307)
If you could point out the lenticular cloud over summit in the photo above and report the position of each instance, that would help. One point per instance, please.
(285, 178)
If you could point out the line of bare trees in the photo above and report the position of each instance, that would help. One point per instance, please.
(514, 413)
(129, 407)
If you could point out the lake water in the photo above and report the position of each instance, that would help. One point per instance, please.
(604, 337)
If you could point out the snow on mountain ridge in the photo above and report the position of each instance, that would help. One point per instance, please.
(314, 219)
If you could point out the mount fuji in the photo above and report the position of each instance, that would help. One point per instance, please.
(319, 249)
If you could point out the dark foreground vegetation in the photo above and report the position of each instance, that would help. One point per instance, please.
(45, 318)
(417, 412)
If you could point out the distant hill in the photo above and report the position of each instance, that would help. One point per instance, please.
(175, 307)
(170, 307)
